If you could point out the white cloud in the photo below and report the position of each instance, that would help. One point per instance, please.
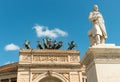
(11, 47)
(43, 31)
(8, 62)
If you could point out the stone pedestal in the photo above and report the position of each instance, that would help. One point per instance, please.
(102, 63)
(50, 66)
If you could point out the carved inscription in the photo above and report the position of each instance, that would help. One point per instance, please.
(49, 58)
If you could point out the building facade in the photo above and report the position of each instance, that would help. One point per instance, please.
(37, 65)
(8, 73)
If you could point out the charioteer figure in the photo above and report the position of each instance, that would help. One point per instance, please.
(39, 45)
(50, 43)
(54, 45)
(46, 46)
(59, 45)
(71, 45)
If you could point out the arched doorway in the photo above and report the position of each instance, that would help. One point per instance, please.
(50, 79)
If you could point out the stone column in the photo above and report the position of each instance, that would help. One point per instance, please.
(9, 79)
(102, 63)
(80, 76)
(84, 79)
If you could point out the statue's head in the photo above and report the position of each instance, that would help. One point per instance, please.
(95, 8)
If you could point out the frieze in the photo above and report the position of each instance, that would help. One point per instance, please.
(49, 58)
(41, 56)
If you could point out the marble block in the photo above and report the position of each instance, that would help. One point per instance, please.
(102, 63)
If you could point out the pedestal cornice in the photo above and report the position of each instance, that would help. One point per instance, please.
(102, 54)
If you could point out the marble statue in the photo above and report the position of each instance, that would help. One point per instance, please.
(98, 33)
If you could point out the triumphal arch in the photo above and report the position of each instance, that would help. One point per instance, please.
(50, 65)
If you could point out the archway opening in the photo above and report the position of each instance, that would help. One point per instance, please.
(50, 79)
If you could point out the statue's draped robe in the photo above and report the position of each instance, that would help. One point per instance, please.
(98, 27)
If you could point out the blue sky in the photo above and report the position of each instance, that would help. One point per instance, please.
(67, 20)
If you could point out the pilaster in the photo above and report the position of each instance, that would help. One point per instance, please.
(9, 79)
(80, 76)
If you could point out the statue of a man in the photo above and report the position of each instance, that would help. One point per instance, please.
(98, 33)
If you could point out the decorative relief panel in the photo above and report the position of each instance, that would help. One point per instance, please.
(25, 58)
(74, 78)
(49, 58)
(74, 58)
(66, 75)
(35, 75)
